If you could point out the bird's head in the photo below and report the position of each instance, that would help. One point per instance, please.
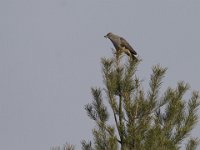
(108, 35)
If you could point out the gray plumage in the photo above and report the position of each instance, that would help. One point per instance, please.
(121, 45)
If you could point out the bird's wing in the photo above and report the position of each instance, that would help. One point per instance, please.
(125, 44)
(116, 45)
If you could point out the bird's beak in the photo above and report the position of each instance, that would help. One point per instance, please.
(106, 36)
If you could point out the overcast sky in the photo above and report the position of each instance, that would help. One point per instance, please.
(50, 54)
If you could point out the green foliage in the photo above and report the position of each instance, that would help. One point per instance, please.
(86, 146)
(192, 144)
(66, 146)
(155, 120)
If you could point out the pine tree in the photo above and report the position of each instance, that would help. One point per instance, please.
(151, 120)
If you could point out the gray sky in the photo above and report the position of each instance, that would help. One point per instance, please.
(50, 54)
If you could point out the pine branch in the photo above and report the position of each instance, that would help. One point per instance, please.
(192, 144)
(86, 145)
(155, 83)
(141, 121)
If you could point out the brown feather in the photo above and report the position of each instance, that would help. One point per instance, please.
(125, 44)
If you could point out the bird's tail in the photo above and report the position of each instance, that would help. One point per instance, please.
(134, 57)
(131, 55)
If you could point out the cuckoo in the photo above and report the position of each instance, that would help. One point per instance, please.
(121, 45)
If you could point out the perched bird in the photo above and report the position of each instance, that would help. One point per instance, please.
(121, 45)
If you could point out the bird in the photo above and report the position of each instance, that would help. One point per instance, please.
(121, 45)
